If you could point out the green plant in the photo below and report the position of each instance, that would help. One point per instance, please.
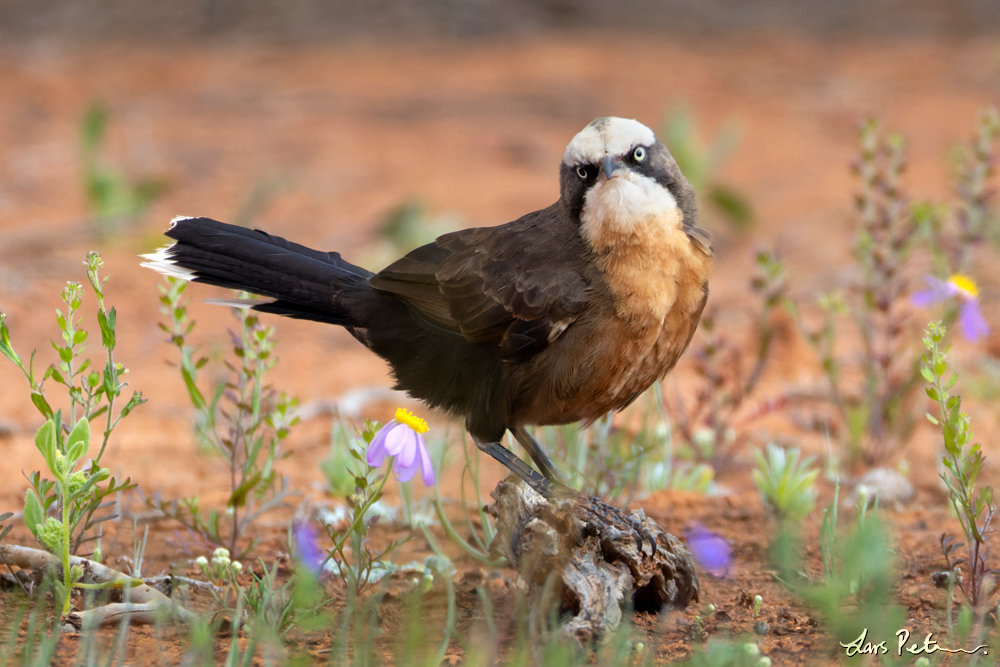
(700, 165)
(828, 536)
(90, 394)
(221, 569)
(408, 226)
(364, 565)
(273, 609)
(963, 461)
(37, 644)
(722, 653)
(709, 424)
(786, 483)
(115, 200)
(480, 539)
(601, 459)
(60, 512)
(958, 232)
(4, 529)
(335, 466)
(609, 460)
(856, 596)
(873, 393)
(244, 421)
(872, 411)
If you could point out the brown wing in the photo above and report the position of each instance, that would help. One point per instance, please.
(519, 285)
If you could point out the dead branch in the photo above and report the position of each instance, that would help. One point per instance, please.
(590, 559)
(144, 605)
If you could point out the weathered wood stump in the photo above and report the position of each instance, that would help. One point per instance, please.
(590, 559)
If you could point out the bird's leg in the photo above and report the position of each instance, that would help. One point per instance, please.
(553, 483)
(539, 456)
(529, 475)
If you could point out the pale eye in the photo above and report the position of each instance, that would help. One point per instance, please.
(639, 154)
(582, 172)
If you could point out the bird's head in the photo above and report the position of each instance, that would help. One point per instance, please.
(616, 175)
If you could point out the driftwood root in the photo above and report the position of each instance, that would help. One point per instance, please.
(591, 558)
(143, 604)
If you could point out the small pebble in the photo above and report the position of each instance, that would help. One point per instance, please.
(892, 489)
(761, 628)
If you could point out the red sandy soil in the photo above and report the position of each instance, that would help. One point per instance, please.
(475, 130)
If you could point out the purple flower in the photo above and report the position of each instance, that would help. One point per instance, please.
(959, 287)
(306, 548)
(401, 439)
(710, 551)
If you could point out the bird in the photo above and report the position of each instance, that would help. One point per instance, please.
(562, 315)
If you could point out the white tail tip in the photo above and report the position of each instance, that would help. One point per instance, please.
(161, 262)
(245, 304)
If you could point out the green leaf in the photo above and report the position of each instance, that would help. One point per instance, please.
(45, 441)
(733, 205)
(79, 337)
(110, 381)
(107, 323)
(65, 353)
(239, 496)
(41, 404)
(33, 513)
(94, 122)
(5, 346)
(132, 404)
(197, 399)
(96, 478)
(54, 373)
(79, 441)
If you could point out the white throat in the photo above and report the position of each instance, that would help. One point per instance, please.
(629, 204)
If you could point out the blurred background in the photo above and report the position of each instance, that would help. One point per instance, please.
(369, 128)
(291, 21)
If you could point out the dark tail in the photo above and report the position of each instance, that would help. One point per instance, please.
(304, 283)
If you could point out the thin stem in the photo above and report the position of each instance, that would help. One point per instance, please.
(67, 577)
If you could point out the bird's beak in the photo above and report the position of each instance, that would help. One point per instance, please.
(611, 165)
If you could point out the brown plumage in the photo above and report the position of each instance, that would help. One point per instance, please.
(560, 316)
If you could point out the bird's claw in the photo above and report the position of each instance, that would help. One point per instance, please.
(602, 513)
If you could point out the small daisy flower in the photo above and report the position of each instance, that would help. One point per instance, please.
(402, 439)
(710, 551)
(959, 287)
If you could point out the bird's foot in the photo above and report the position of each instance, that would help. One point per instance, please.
(597, 512)
(602, 514)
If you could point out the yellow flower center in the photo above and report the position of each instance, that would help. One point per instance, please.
(966, 284)
(404, 416)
